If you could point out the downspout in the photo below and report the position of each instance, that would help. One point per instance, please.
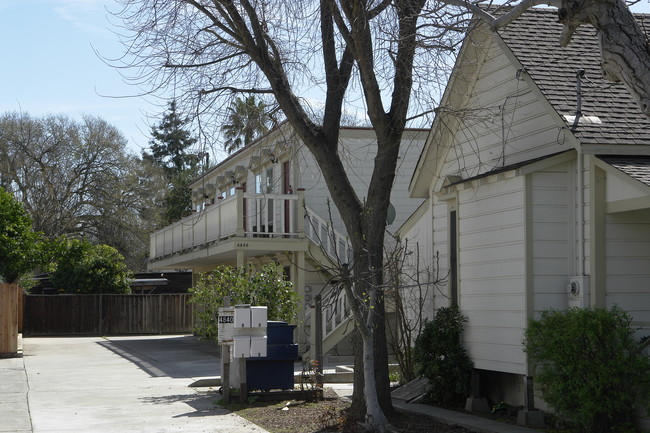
(581, 215)
(581, 182)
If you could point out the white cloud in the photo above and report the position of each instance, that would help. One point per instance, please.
(89, 16)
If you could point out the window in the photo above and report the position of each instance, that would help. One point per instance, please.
(269, 179)
(264, 181)
(258, 183)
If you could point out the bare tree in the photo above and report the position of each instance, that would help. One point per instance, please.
(356, 51)
(411, 287)
(75, 178)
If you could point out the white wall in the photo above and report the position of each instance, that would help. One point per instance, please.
(503, 122)
(440, 223)
(357, 151)
(419, 269)
(627, 264)
(552, 237)
(492, 278)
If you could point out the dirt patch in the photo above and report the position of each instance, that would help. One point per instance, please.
(326, 416)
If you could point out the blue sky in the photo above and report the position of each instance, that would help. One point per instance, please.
(50, 66)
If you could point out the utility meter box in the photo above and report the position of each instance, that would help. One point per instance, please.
(259, 316)
(226, 324)
(241, 346)
(242, 316)
(258, 347)
(578, 290)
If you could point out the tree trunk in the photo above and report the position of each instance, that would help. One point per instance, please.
(623, 44)
(375, 419)
(369, 280)
(367, 311)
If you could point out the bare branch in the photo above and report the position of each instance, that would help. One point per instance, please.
(478, 9)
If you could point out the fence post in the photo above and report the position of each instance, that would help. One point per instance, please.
(21, 309)
(160, 315)
(100, 315)
(8, 320)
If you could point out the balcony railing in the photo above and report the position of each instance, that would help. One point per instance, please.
(333, 243)
(335, 320)
(250, 215)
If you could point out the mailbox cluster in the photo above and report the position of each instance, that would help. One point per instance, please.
(244, 327)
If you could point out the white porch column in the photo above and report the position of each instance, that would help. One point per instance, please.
(300, 214)
(219, 217)
(240, 258)
(239, 192)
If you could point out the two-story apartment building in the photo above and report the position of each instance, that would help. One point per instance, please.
(268, 202)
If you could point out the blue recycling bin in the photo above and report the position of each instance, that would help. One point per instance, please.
(276, 370)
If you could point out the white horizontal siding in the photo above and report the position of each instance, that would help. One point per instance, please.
(441, 247)
(500, 285)
(418, 239)
(551, 201)
(503, 122)
(492, 273)
(358, 148)
(627, 262)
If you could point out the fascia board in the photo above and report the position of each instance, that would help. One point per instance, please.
(468, 65)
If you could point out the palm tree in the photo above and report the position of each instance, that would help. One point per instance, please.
(247, 119)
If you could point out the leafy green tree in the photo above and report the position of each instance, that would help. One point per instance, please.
(18, 242)
(78, 266)
(76, 178)
(590, 367)
(171, 146)
(248, 118)
(266, 286)
(442, 358)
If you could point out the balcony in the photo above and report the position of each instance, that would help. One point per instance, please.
(259, 222)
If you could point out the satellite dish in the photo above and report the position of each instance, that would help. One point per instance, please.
(390, 215)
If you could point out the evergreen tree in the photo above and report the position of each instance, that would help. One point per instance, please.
(171, 149)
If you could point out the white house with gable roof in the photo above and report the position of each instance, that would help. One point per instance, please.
(536, 181)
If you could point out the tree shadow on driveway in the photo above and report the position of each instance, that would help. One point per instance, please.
(168, 356)
(204, 404)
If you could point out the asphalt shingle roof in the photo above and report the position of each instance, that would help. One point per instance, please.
(534, 40)
(637, 167)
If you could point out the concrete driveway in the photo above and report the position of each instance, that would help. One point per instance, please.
(116, 384)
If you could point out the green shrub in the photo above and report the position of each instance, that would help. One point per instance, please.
(266, 287)
(589, 367)
(18, 242)
(442, 359)
(78, 266)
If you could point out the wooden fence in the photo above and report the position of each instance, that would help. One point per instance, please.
(9, 307)
(107, 314)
